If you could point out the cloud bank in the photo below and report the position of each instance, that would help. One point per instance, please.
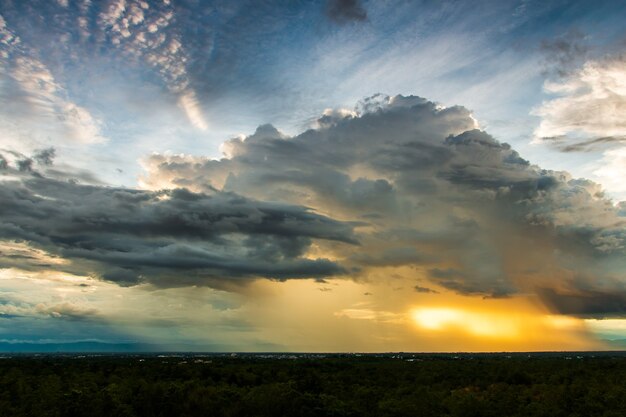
(168, 238)
(398, 184)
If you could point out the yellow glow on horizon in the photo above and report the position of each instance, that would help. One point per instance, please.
(475, 323)
(563, 322)
(491, 324)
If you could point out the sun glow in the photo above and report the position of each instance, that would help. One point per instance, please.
(490, 324)
(475, 323)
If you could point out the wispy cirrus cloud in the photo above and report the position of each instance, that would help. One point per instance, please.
(36, 94)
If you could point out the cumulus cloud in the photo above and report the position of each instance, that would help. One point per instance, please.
(397, 185)
(428, 191)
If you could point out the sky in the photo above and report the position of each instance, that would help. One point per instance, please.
(335, 175)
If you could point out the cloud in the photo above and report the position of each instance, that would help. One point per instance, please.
(587, 116)
(25, 165)
(189, 103)
(45, 156)
(67, 311)
(345, 11)
(370, 314)
(13, 306)
(589, 105)
(612, 170)
(399, 185)
(563, 54)
(147, 32)
(425, 290)
(46, 65)
(426, 190)
(585, 303)
(585, 145)
(168, 238)
(35, 93)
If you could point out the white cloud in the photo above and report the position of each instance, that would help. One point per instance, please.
(189, 103)
(612, 171)
(587, 115)
(113, 12)
(591, 103)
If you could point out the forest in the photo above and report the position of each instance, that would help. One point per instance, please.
(313, 385)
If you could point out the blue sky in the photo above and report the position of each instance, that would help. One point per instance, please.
(149, 95)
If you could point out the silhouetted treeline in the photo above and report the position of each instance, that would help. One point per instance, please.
(358, 386)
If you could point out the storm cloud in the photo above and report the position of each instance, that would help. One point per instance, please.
(430, 191)
(173, 237)
(398, 182)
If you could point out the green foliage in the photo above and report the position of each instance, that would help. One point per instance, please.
(130, 386)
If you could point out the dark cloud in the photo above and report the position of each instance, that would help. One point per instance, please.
(467, 283)
(129, 236)
(398, 182)
(425, 290)
(585, 303)
(405, 255)
(589, 145)
(345, 11)
(25, 165)
(564, 53)
(427, 189)
(45, 156)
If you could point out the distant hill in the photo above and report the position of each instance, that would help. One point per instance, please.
(76, 347)
(104, 347)
(619, 344)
